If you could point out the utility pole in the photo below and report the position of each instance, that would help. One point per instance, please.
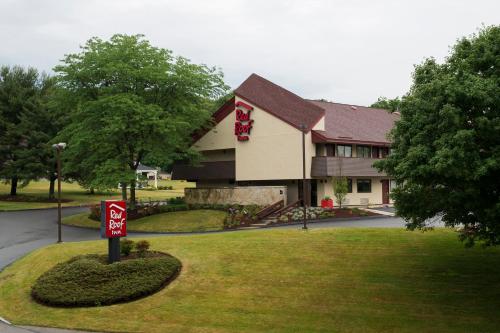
(58, 147)
(304, 209)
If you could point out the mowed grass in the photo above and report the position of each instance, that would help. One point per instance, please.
(79, 196)
(182, 221)
(321, 280)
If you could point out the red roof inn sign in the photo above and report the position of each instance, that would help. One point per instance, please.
(243, 123)
(113, 219)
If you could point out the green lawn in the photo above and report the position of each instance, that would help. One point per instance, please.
(79, 196)
(321, 280)
(183, 221)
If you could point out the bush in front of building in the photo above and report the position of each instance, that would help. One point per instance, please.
(126, 246)
(142, 247)
(90, 281)
(239, 215)
(312, 213)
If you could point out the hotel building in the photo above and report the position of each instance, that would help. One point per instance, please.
(257, 141)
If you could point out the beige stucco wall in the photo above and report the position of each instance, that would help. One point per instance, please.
(320, 125)
(273, 151)
(221, 136)
(245, 195)
(354, 198)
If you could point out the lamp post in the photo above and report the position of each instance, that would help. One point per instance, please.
(59, 147)
(303, 128)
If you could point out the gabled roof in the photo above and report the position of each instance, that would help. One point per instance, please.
(142, 167)
(346, 123)
(279, 102)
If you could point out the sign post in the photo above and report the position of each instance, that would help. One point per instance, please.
(113, 226)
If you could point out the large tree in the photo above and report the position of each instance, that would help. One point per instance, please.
(133, 103)
(24, 125)
(387, 103)
(446, 147)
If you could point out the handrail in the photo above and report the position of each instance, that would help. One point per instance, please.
(270, 209)
(288, 208)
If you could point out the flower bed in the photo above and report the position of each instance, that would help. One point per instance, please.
(313, 213)
(238, 215)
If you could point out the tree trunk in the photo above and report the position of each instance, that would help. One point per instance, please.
(91, 190)
(124, 190)
(132, 194)
(13, 186)
(52, 183)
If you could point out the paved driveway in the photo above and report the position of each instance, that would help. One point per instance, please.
(23, 231)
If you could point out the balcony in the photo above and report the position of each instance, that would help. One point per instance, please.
(205, 171)
(327, 166)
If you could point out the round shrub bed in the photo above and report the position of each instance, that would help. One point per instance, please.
(90, 281)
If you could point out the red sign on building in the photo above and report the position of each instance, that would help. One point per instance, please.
(113, 219)
(243, 123)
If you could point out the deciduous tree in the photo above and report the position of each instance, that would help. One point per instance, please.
(446, 147)
(134, 103)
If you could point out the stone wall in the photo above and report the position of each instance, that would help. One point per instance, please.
(242, 195)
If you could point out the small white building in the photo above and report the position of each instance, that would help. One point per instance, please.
(149, 172)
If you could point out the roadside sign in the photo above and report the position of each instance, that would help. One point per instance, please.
(113, 219)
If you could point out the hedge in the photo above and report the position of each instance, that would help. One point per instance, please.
(89, 281)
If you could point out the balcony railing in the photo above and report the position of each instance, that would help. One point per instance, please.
(328, 166)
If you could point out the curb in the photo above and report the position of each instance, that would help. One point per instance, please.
(5, 321)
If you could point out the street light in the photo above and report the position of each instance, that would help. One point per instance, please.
(303, 128)
(59, 147)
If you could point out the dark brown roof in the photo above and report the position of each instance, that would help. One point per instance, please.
(346, 123)
(279, 102)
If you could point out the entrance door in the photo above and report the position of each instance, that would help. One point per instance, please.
(385, 191)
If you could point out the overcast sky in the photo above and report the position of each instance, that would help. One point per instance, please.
(345, 51)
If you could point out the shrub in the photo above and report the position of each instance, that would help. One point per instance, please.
(176, 201)
(169, 187)
(90, 281)
(142, 247)
(126, 246)
(95, 212)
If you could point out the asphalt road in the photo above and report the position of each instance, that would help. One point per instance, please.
(23, 231)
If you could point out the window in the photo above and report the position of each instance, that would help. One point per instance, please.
(344, 150)
(375, 152)
(318, 150)
(349, 185)
(330, 150)
(364, 185)
(363, 151)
